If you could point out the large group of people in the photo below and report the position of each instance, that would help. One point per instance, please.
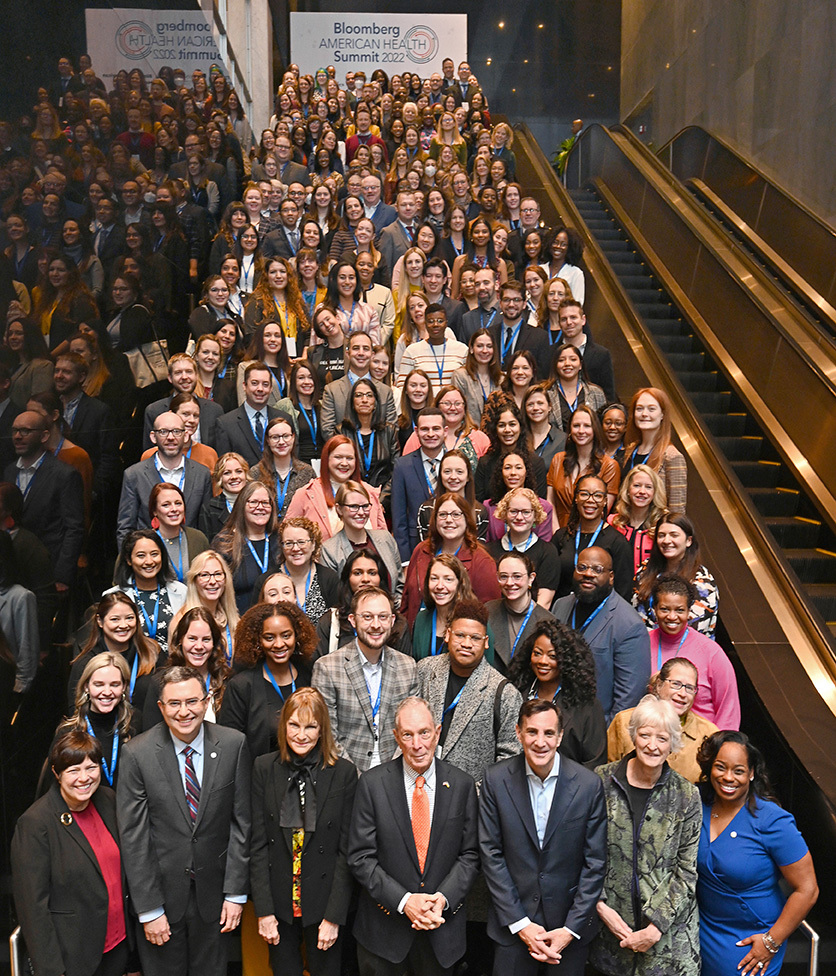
(400, 632)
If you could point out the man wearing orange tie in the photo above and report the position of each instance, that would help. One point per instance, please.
(414, 878)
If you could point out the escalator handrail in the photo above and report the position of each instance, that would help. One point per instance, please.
(805, 631)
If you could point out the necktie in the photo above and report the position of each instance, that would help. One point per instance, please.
(421, 821)
(192, 785)
(508, 333)
(259, 428)
(433, 473)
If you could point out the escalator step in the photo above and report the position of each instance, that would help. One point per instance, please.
(812, 565)
(630, 281)
(659, 310)
(669, 327)
(711, 401)
(741, 448)
(794, 532)
(757, 474)
(695, 383)
(775, 502)
(691, 362)
(613, 247)
(726, 424)
(645, 295)
(674, 344)
(609, 234)
(823, 596)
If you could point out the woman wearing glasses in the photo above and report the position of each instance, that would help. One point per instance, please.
(675, 682)
(209, 585)
(315, 586)
(275, 642)
(282, 473)
(353, 504)
(249, 541)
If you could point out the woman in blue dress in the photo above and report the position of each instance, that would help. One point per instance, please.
(748, 843)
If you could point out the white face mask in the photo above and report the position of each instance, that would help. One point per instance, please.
(150, 197)
(429, 170)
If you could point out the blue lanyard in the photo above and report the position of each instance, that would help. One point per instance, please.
(275, 683)
(246, 273)
(281, 497)
(659, 648)
(366, 453)
(438, 553)
(591, 541)
(311, 421)
(261, 563)
(222, 373)
(159, 473)
(459, 250)
(28, 488)
(454, 702)
(427, 477)
(433, 650)
(543, 445)
(482, 319)
(591, 617)
(572, 406)
(633, 458)
(57, 450)
(150, 626)
(109, 771)
(529, 542)
(509, 345)
(375, 705)
(309, 297)
(349, 316)
(307, 586)
(134, 673)
(439, 368)
(482, 385)
(558, 336)
(228, 645)
(524, 625)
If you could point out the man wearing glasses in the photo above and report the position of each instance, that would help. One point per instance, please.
(512, 334)
(169, 464)
(363, 682)
(183, 803)
(474, 705)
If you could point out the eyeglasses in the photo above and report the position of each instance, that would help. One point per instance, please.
(190, 703)
(528, 209)
(170, 431)
(368, 618)
(596, 496)
(277, 438)
(206, 577)
(471, 638)
(520, 513)
(449, 516)
(256, 504)
(357, 509)
(511, 577)
(364, 395)
(586, 568)
(26, 431)
(681, 686)
(290, 545)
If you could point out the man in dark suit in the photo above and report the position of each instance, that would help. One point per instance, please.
(379, 213)
(543, 840)
(414, 478)
(169, 464)
(108, 235)
(242, 430)
(283, 242)
(487, 311)
(183, 803)
(182, 374)
(53, 496)
(597, 361)
(513, 334)
(616, 634)
(196, 146)
(289, 172)
(336, 395)
(196, 224)
(435, 281)
(398, 237)
(413, 849)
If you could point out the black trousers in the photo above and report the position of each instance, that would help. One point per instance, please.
(196, 948)
(114, 962)
(515, 960)
(420, 961)
(286, 957)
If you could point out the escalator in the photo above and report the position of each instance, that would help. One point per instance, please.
(751, 399)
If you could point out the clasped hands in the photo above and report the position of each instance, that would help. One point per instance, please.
(425, 911)
(639, 940)
(545, 945)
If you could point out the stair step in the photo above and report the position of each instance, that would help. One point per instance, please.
(711, 401)
(775, 502)
(823, 596)
(757, 474)
(690, 362)
(695, 383)
(675, 344)
(726, 424)
(794, 532)
(812, 565)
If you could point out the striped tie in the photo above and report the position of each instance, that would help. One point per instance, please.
(192, 785)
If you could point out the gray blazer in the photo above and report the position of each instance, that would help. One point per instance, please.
(161, 846)
(502, 643)
(339, 678)
(137, 483)
(620, 645)
(337, 549)
(471, 743)
(393, 243)
(335, 404)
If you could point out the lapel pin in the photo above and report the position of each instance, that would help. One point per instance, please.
(66, 819)
(213, 755)
(446, 784)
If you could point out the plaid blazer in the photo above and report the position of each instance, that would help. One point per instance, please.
(339, 678)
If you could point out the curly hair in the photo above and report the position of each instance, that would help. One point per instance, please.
(248, 647)
(707, 755)
(501, 509)
(498, 403)
(574, 660)
(676, 585)
(313, 530)
(574, 512)
(498, 487)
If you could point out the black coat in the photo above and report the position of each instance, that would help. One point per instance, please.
(60, 894)
(326, 881)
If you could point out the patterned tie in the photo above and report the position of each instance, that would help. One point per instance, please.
(432, 462)
(421, 821)
(259, 429)
(192, 785)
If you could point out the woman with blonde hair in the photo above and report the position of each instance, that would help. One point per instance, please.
(409, 326)
(640, 505)
(230, 475)
(410, 282)
(447, 134)
(209, 585)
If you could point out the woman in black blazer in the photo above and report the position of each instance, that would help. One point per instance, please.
(302, 801)
(67, 870)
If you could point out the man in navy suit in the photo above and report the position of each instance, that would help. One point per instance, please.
(597, 361)
(413, 848)
(378, 212)
(415, 477)
(513, 334)
(242, 430)
(543, 841)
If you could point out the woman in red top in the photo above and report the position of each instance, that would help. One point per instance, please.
(452, 530)
(67, 868)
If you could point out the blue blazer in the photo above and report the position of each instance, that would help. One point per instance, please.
(560, 883)
(409, 490)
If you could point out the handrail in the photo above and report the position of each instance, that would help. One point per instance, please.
(815, 939)
(15, 942)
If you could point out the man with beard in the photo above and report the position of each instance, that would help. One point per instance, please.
(614, 631)
(363, 682)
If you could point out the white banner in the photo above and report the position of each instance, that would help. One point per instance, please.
(394, 42)
(148, 40)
